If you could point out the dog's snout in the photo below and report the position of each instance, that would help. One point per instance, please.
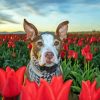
(49, 55)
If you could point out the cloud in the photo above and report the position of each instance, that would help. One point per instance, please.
(45, 7)
(1, 22)
(4, 18)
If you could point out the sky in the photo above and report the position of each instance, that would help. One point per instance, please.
(83, 15)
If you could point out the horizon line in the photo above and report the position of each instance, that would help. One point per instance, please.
(51, 31)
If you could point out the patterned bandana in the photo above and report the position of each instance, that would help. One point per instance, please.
(36, 72)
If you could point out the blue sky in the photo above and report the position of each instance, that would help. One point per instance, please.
(83, 15)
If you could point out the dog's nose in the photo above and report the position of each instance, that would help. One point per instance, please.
(49, 55)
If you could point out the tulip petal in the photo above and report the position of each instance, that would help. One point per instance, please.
(2, 79)
(88, 83)
(85, 92)
(25, 94)
(11, 87)
(32, 88)
(97, 94)
(45, 92)
(56, 84)
(93, 89)
(28, 82)
(29, 91)
(64, 93)
(8, 69)
(20, 74)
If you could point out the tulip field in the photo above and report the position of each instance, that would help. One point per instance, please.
(80, 62)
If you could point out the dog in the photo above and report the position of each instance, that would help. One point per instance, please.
(45, 53)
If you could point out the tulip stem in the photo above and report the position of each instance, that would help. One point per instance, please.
(13, 50)
(88, 67)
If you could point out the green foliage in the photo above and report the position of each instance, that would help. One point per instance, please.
(14, 57)
(80, 69)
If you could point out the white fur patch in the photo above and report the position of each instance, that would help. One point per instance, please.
(48, 41)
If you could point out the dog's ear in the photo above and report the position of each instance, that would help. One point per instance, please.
(62, 29)
(30, 29)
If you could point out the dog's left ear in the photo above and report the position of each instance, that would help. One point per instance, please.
(62, 29)
(30, 29)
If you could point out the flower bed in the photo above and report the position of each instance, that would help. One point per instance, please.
(80, 64)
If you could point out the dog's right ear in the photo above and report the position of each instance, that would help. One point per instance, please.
(62, 29)
(30, 29)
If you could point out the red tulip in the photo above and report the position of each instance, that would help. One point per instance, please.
(75, 40)
(70, 41)
(85, 50)
(89, 56)
(31, 91)
(93, 39)
(66, 46)
(60, 89)
(56, 90)
(11, 81)
(75, 55)
(11, 44)
(62, 54)
(29, 46)
(72, 54)
(80, 43)
(89, 91)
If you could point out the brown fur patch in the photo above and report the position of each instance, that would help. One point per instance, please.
(35, 48)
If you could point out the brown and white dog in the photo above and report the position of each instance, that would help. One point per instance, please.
(44, 55)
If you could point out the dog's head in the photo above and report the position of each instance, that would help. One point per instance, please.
(46, 47)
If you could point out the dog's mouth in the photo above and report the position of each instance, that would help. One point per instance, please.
(49, 62)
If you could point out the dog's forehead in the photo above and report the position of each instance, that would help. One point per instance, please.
(48, 39)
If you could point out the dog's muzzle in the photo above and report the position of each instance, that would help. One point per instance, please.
(48, 58)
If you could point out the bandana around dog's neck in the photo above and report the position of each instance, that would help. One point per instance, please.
(49, 69)
(35, 72)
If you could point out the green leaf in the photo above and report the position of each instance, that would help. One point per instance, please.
(76, 89)
(78, 76)
(98, 80)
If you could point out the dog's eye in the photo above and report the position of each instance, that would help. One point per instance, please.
(40, 43)
(56, 43)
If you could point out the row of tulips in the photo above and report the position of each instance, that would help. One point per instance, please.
(72, 38)
(13, 86)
